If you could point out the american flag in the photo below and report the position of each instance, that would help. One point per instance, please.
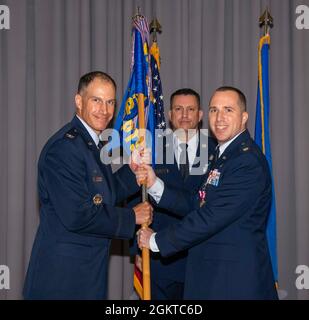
(157, 94)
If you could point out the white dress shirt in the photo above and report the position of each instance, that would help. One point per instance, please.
(192, 147)
(157, 188)
(92, 133)
(224, 145)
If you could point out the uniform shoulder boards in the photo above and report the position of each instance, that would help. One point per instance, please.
(245, 147)
(71, 134)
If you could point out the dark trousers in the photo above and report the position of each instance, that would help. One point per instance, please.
(165, 289)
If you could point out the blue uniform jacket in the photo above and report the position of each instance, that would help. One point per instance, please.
(78, 218)
(228, 256)
(173, 267)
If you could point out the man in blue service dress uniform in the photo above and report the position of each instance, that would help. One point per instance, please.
(225, 231)
(185, 146)
(78, 193)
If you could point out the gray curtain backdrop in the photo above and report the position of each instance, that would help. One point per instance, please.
(204, 44)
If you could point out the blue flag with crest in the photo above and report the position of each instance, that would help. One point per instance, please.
(144, 79)
(127, 124)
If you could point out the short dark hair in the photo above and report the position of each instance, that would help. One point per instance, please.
(241, 96)
(186, 92)
(87, 78)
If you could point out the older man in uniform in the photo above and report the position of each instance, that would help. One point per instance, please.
(226, 229)
(78, 193)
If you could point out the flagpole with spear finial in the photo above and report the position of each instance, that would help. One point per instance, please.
(266, 21)
(142, 140)
(155, 27)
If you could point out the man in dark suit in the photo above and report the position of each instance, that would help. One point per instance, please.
(78, 193)
(183, 147)
(225, 231)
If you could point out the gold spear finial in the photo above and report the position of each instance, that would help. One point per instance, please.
(155, 27)
(266, 21)
(138, 13)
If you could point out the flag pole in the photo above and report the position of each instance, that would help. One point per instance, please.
(266, 22)
(145, 251)
(142, 142)
(155, 27)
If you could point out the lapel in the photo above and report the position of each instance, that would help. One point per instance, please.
(169, 171)
(90, 144)
(173, 168)
(76, 123)
(226, 155)
(192, 179)
(232, 149)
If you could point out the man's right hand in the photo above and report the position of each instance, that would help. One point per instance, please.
(143, 213)
(138, 157)
(145, 173)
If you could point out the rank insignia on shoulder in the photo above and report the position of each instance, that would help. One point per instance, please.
(72, 133)
(97, 199)
(70, 136)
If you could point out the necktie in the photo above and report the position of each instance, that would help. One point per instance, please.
(100, 144)
(184, 161)
(217, 152)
